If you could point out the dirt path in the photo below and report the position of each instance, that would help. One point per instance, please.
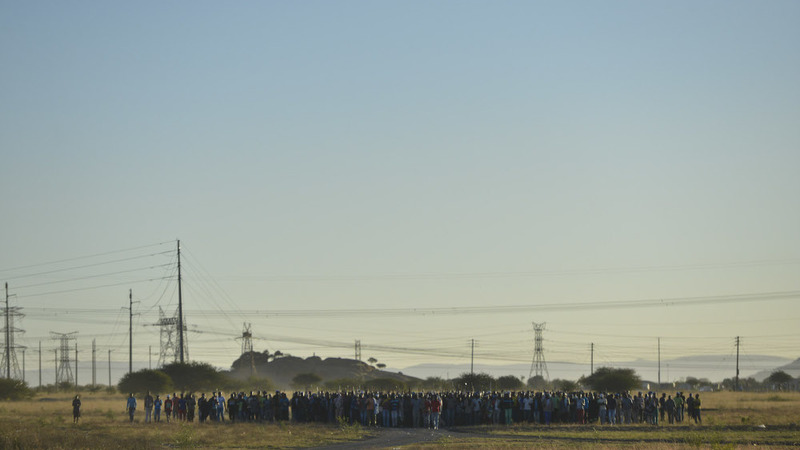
(392, 438)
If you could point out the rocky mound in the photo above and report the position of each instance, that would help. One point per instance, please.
(282, 370)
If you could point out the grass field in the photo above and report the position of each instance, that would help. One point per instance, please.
(730, 420)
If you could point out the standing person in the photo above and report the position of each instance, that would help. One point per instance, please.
(168, 407)
(148, 407)
(627, 407)
(601, 409)
(157, 409)
(76, 409)
(191, 404)
(181, 407)
(220, 407)
(507, 405)
(669, 406)
(547, 409)
(611, 407)
(436, 410)
(678, 407)
(697, 418)
(130, 407)
(202, 406)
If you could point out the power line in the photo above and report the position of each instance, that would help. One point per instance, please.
(78, 258)
(40, 294)
(497, 309)
(510, 274)
(88, 277)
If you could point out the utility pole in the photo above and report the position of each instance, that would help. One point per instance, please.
(23, 365)
(94, 363)
(150, 355)
(472, 358)
(659, 363)
(130, 331)
(55, 351)
(76, 363)
(736, 383)
(40, 363)
(591, 361)
(8, 338)
(109, 367)
(180, 304)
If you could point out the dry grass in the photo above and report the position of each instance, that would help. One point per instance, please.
(46, 422)
(730, 420)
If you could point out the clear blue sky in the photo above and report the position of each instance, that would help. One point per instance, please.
(359, 154)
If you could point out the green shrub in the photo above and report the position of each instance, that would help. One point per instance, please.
(14, 390)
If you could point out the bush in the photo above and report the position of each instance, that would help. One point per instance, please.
(194, 376)
(537, 382)
(145, 380)
(14, 390)
(474, 382)
(608, 379)
(304, 381)
(510, 383)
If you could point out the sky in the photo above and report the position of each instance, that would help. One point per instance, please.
(415, 175)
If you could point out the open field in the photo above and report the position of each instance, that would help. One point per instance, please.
(46, 422)
(730, 420)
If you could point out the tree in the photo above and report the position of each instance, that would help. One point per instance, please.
(779, 377)
(247, 358)
(14, 390)
(145, 380)
(697, 382)
(304, 381)
(194, 376)
(474, 382)
(381, 366)
(372, 361)
(565, 385)
(608, 379)
(509, 383)
(537, 382)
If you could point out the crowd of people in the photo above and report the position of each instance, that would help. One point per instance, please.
(423, 409)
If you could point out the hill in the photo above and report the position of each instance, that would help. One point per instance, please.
(793, 369)
(713, 367)
(282, 370)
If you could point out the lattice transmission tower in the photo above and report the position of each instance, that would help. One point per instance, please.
(358, 350)
(63, 363)
(168, 346)
(538, 365)
(10, 364)
(247, 339)
(247, 347)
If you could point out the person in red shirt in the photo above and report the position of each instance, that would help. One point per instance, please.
(436, 410)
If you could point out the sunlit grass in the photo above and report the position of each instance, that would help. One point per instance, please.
(46, 422)
(730, 420)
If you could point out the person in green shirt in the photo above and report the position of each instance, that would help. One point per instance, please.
(679, 407)
(697, 418)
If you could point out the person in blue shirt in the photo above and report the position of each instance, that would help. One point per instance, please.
(130, 407)
(157, 409)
